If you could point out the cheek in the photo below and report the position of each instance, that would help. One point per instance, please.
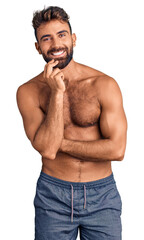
(69, 44)
(44, 48)
(66, 41)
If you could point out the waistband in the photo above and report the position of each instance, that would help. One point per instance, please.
(77, 185)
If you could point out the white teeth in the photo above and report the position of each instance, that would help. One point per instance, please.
(58, 53)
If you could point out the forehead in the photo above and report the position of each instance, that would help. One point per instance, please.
(52, 27)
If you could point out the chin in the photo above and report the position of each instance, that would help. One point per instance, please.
(62, 64)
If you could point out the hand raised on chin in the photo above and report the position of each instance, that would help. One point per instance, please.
(54, 77)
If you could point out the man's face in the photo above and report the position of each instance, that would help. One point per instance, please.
(56, 42)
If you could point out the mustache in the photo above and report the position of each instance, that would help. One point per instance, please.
(57, 50)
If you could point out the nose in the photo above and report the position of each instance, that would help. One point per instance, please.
(56, 43)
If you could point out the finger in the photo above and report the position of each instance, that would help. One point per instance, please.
(55, 71)
(53, 63)
(45, 69)
(46, 66)
(58, 75)
(51, 60)
(50, 68)
(44, 73)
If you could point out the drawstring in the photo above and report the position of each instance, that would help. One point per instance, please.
(72, 200)
(72, 204)
(84, 196)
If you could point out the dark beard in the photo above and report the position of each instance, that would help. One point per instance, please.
(63, 62)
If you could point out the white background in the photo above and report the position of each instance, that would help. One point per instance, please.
(109, 38)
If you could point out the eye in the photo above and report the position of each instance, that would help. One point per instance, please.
(47, 39)
(62, 35)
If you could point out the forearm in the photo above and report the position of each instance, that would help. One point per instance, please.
(99, 150)
(49, 135)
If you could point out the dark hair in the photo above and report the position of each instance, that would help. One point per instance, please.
(47, 15)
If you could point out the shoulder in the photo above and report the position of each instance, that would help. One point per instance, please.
(32, 86)
(107, 89)
(28, 92)
(99, 79)
(89, 72)
(104, 81)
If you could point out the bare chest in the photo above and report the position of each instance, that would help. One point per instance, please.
(80, 105)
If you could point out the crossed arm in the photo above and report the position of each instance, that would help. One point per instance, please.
(113, 126)
(46, 131)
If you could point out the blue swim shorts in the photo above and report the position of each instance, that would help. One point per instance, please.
(63, 207)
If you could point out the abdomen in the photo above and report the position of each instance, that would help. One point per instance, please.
(69, 168)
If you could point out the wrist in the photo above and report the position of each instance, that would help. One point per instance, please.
(57, 92)
(63, 144)
(57, 95)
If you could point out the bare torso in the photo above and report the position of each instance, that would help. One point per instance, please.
(81, 122)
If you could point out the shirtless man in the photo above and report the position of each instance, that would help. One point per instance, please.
(74, 117)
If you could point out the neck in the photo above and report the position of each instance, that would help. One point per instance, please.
(71, 71)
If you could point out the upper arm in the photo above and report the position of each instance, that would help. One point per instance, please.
(113, 123)
(31, 113)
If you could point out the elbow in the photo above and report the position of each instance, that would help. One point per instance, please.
(119, 154)
(45, 153)
(48, 155)
(120, 157)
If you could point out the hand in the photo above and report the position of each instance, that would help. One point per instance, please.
(63, 142)
(54, 77)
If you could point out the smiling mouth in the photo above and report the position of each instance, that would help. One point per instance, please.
(60, 53)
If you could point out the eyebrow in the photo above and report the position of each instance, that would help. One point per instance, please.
(48, 35)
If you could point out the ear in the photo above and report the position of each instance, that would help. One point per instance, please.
(38, 47)
(74, 38)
